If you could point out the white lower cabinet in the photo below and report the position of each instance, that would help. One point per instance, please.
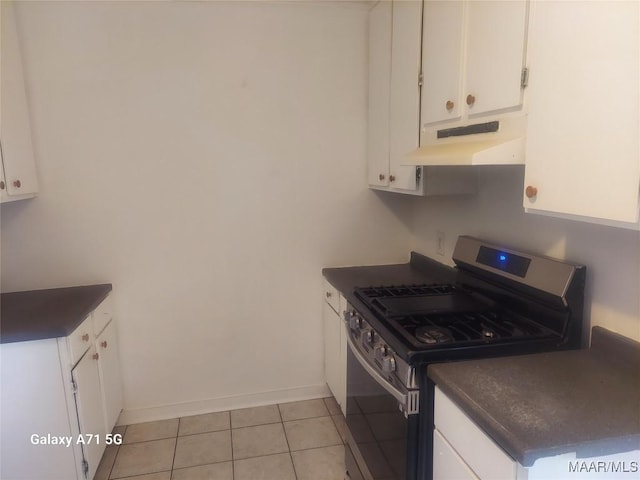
(109, 371)
(90, 408)
(61, 398)
(447, 464)
(335, 344)
(473, 448)
(463, 451)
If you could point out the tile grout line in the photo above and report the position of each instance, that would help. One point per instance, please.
(342, 439)
(293, 465)
(233, 461)
(116, 456)
(175, 448)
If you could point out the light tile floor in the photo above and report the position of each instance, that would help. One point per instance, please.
(288, 441)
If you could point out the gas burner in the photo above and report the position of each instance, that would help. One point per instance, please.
(431, 334)
(487, 331)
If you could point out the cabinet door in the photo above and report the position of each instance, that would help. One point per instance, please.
(447, 464)
(331, 326)
(442, 44)
(341, 393)
(404, 127)
(3, 184)
(110, 378)
(379, 85)
(494, 55)
(90, 410)
(485, 458)
(34, 401)
(582, 145)
(15, 130)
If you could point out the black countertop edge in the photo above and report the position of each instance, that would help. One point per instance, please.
(49, 313)
(610, 351)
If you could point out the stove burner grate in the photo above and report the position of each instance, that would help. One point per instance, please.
(471, 327)
(432, 315)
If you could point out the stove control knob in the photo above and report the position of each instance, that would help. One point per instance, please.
(389, 364)
(381, 352)
(370, 337)
(355, 321)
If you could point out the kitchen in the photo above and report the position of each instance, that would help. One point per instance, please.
(257, 114)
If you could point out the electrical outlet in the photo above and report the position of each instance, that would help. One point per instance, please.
(440, 243)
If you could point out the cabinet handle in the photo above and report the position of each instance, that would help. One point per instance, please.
(85, 337)
(381, 176)
(328, 294)
(1, 185)
(471, 100)
(531, 191)
(450, 105)
(95, 356)
(17, 183)
(392, 178)
(103, 344)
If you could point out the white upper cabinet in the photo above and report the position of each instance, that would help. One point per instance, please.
(379, 93)
(582, 147)
(473, 58)
(19, 177)
(395, 72)
(404, 127)
(394, 92)
(442, 49)
(495, 47)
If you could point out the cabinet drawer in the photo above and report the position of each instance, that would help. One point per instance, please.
(80, 340)
(102, 315)
(481, 454)
(447, 464)
(332, 296)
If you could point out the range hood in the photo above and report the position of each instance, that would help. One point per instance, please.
(488, 143)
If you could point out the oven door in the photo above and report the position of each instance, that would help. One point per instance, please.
(382, 440)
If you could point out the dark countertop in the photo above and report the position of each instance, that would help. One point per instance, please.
(540, 405)
(345, 279)
(52, 313)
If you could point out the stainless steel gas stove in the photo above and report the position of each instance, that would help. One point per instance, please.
(502, 302)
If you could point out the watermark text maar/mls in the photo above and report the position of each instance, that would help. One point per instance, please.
(582, 466)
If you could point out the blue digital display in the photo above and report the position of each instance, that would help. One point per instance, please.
(507, 262)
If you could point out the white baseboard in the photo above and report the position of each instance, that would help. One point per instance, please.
(233, 402)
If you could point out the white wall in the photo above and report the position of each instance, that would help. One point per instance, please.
(612, 255)
(207, 159)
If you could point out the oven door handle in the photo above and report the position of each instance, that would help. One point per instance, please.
(408, 401)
